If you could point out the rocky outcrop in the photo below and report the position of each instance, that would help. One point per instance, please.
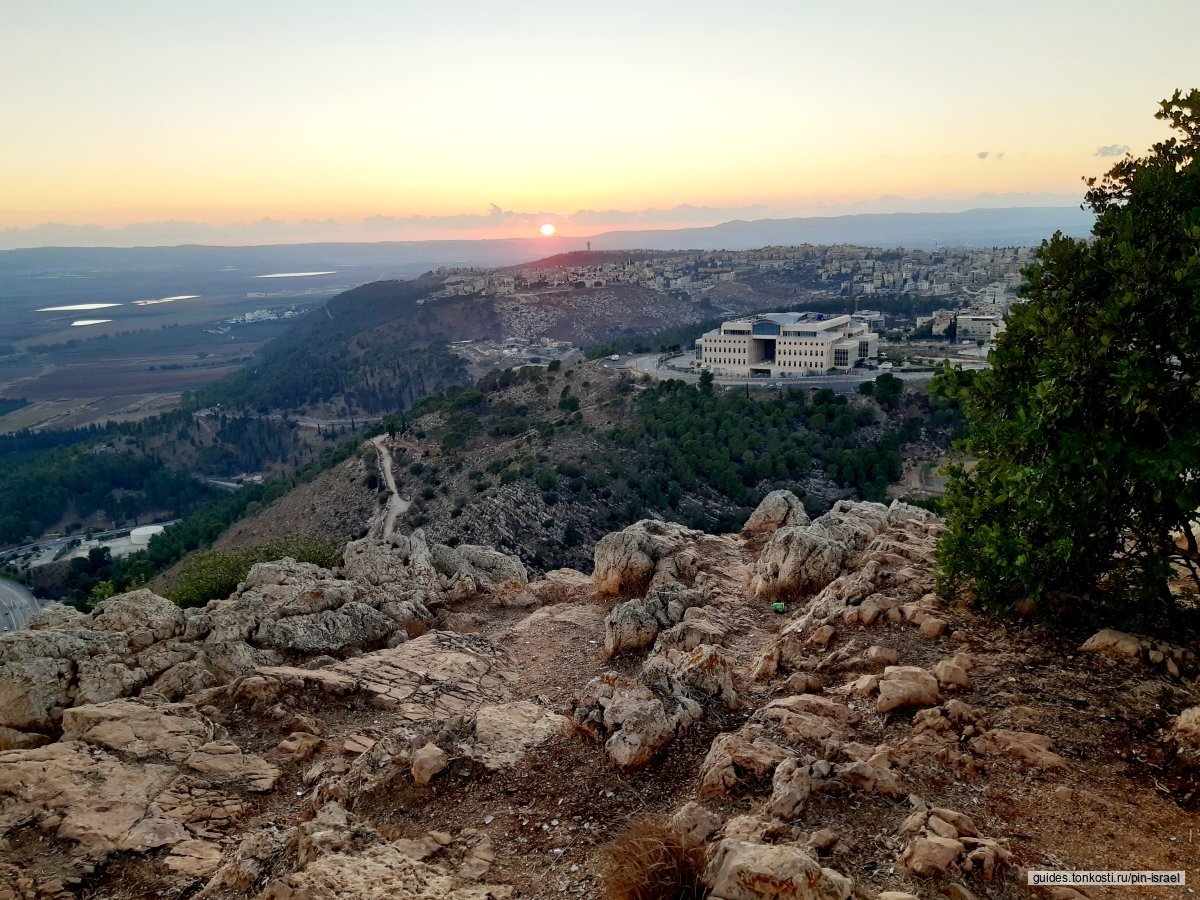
(803, 559)
(132, 776)
(633, 720)
(635, 624)
(139, 642)
(779, 509)
(644, 555)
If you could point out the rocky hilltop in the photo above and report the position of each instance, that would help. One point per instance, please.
(790, 706)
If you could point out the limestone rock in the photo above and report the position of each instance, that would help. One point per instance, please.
(695, 823)
(428, 762)
(194, 859)
(556, 586)
(1113, 643)
(1186, 732)
(949, 674)
(804, 559)
(930, 855)
(632, 625)
(506, 731)
(906, 686)
(142, 616)
(351, 625)
(1032, 749)
(790, 789)
(140, 730)
(694, 630)
(636, 720)
(705, 669)
(737, 756)
(382, 871)
(932, 627)
(745, 871)
(779, 509)
(629, 561)
(91, 797)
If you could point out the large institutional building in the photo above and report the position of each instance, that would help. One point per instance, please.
(783, 345)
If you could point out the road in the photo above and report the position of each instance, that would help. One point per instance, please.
(16, 606)
(397, 505)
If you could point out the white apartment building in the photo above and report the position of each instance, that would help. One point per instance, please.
(782, 345)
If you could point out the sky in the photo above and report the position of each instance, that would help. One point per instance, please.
(144, 122)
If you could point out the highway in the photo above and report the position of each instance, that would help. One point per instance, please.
(16, 606)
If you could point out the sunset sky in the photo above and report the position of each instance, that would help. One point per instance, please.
(408, 120)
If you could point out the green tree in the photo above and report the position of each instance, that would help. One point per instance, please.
(1087, 427)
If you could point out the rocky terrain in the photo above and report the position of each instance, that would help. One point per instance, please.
(791, 704)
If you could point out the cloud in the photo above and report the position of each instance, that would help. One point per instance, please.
(982, 154)
(1112, 150)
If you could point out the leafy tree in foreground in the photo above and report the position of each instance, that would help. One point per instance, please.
(1087, 428)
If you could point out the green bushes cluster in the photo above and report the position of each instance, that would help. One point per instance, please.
(215, 574)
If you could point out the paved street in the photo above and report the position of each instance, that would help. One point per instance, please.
(16, 606)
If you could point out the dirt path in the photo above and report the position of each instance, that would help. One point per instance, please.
(397, 505)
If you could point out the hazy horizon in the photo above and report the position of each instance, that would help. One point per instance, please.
(140, 123)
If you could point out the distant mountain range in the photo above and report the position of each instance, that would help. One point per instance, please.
(1020, 226)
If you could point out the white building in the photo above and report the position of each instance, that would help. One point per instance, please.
(975, 327)
(786, 344)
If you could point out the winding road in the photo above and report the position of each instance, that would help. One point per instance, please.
(397, 505)
(16, 606)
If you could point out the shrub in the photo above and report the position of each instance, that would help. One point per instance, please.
(649, 861)
(215, 574)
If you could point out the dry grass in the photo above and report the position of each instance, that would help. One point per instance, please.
(650, 861)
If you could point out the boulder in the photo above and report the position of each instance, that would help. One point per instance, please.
(790, 788)
(949, 674)
(1186, 733)
(931, 855)
(706, 669)
(629, 561)
(142, 616)
(428, 762)
(906, 686)
(1113, 643)
(634, 720)
(632, 625)
(779, 509)
(745, 871)
(796, 561)
(736, 757)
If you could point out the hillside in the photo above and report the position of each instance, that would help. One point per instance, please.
(543, 464)
(429, 722)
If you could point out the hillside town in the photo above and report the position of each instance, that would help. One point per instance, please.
(979, 284)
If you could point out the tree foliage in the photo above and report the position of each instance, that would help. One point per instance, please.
(1087, 428)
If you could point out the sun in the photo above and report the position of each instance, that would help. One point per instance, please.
(548, 230)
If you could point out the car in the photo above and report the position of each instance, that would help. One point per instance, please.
(616, 357)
